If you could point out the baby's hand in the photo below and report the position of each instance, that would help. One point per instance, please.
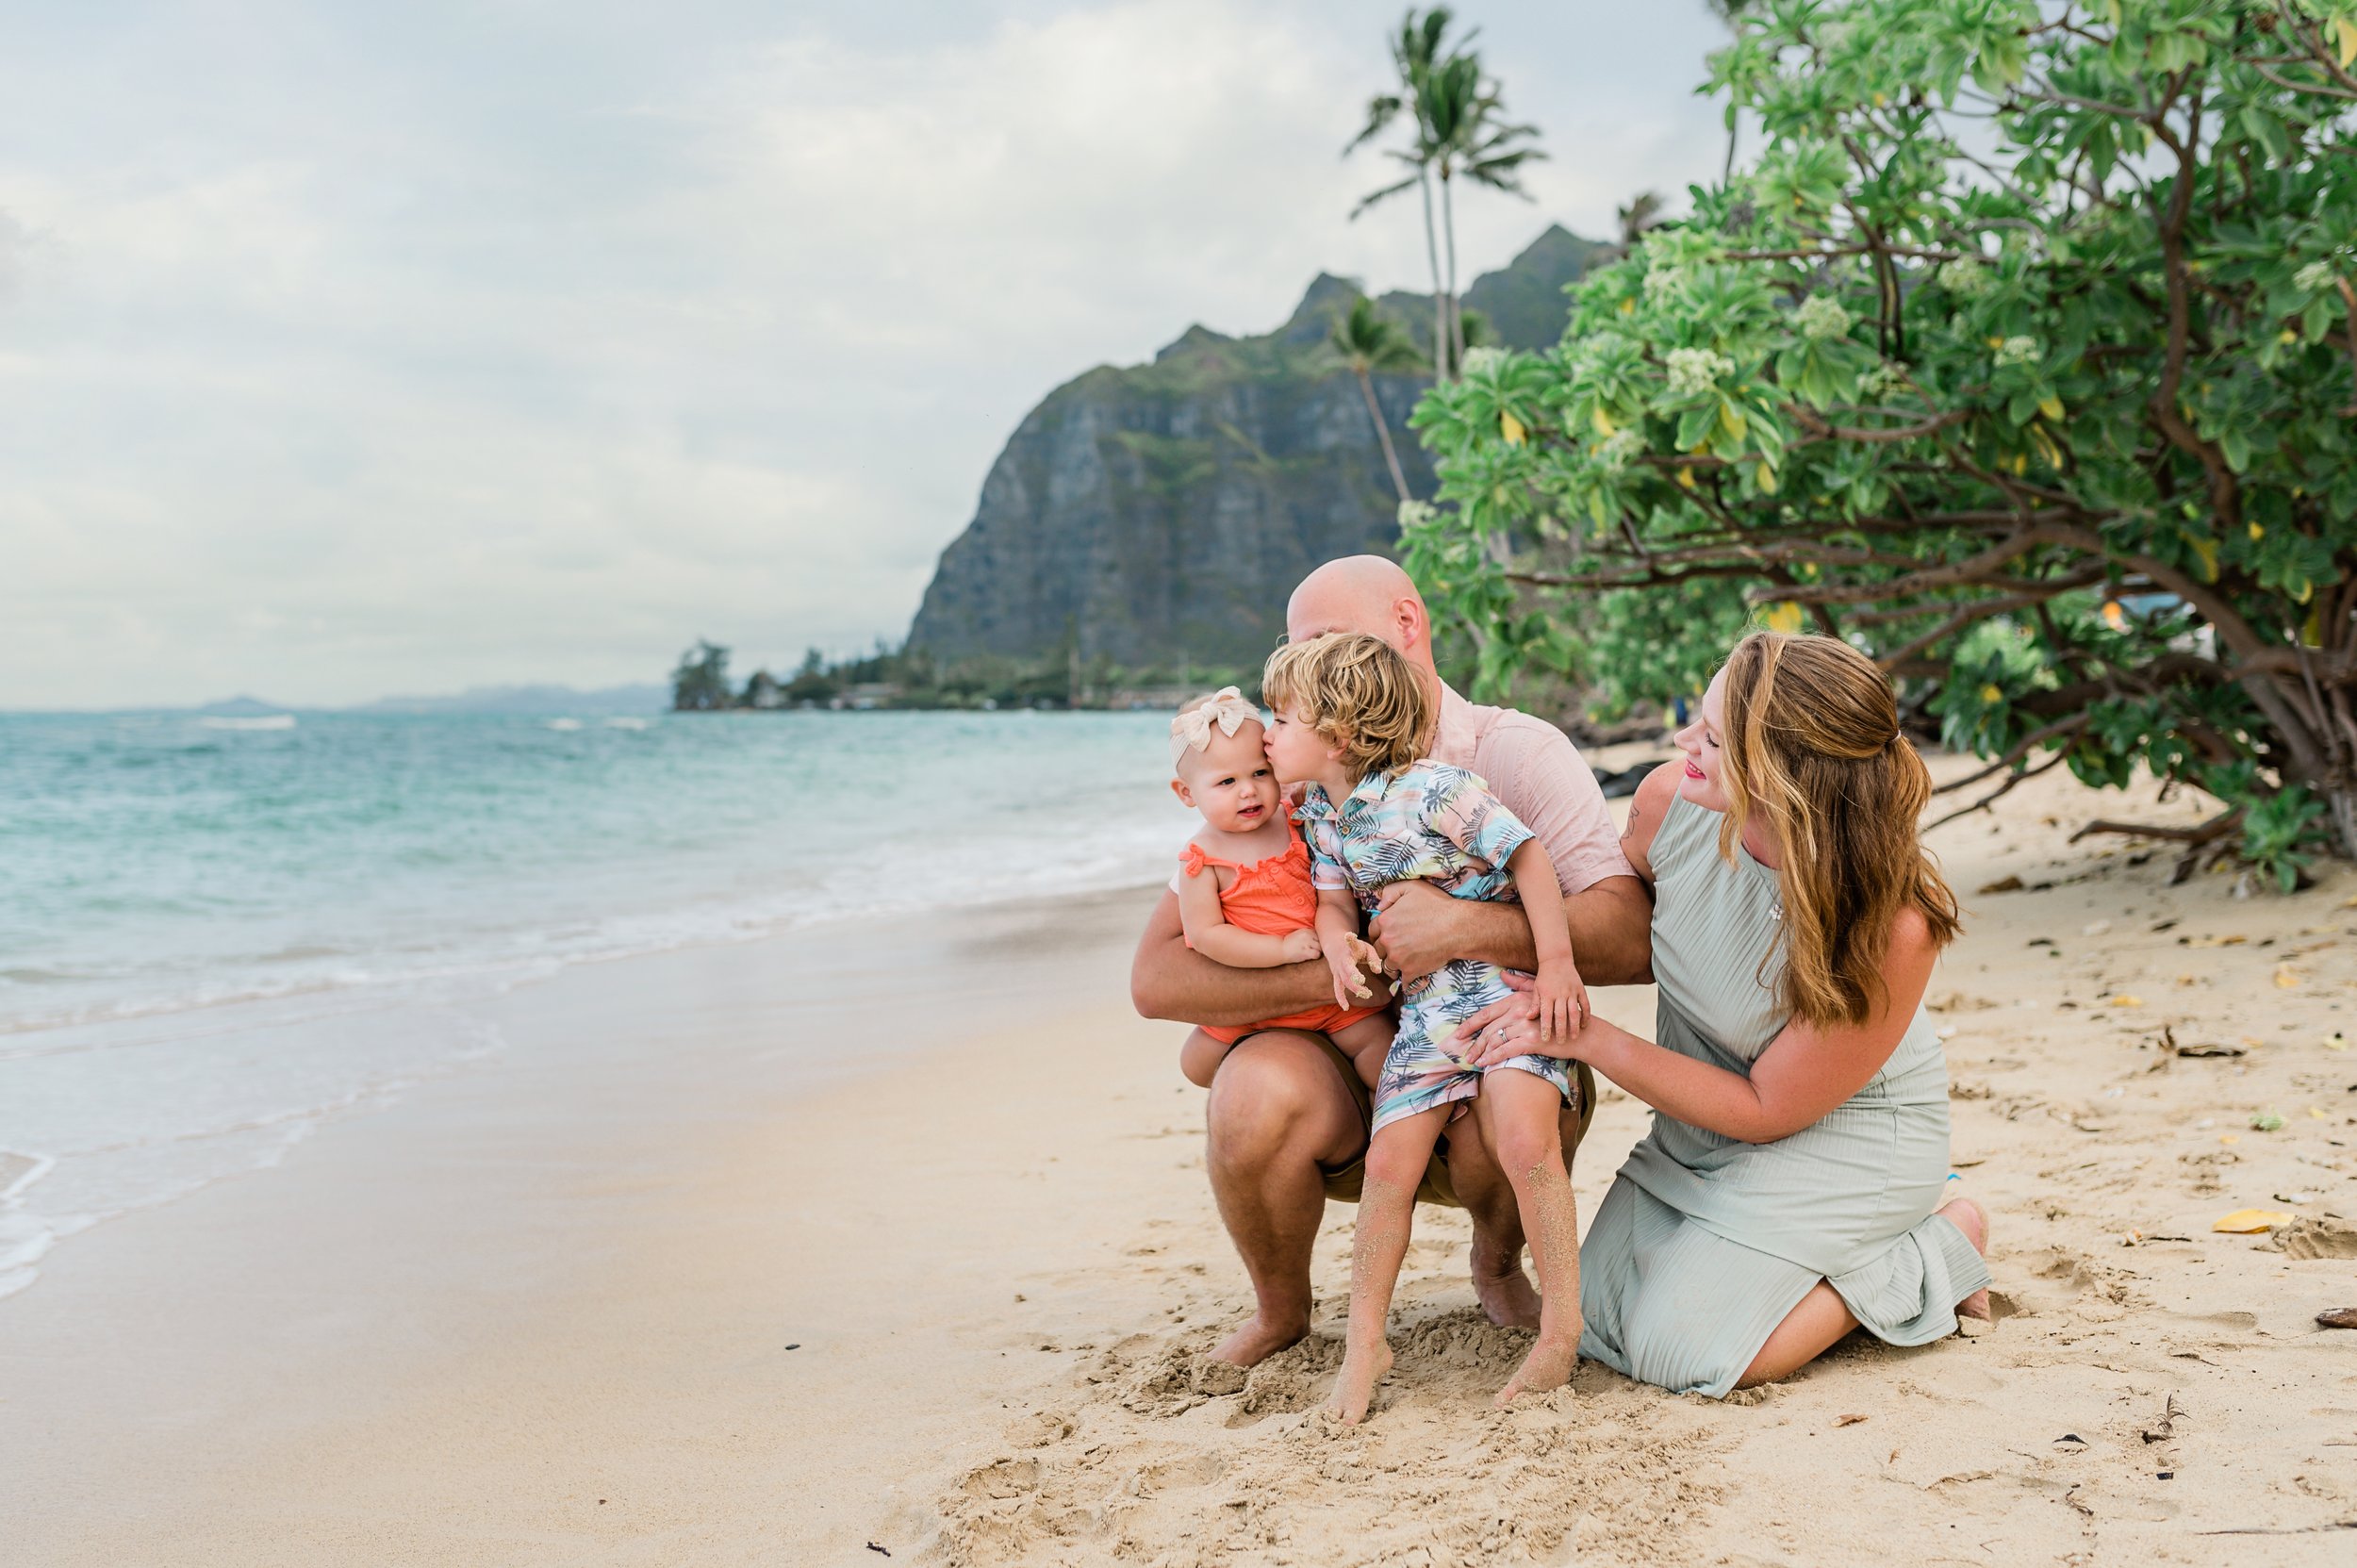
(1300, 946)
(1562, 997)
(1345, 965)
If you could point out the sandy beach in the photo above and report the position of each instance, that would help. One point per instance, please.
(651, 1288)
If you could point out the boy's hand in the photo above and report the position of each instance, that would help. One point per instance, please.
(1562, 997)
(1300, 946)
(1346, 964)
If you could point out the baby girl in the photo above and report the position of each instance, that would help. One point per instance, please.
(1351, 720)
(1244, 897)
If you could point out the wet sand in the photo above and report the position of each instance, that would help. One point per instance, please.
(539, 1312)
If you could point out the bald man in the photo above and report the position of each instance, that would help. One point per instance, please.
(1289, 1118)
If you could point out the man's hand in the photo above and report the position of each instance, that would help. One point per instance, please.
(1350, 988)
(1562, 1000)
(1417, 928)
(1301, 945)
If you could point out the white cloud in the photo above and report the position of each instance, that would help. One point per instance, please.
(530, 346)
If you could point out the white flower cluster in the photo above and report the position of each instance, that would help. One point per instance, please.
(1693, 370)
(1964, 277)
(1662, 283)
(2313, 278)
(1415, 514)
(1615, 450)
(1820, 317)
(1482, 360)
(2018, 351)
(1884, 380)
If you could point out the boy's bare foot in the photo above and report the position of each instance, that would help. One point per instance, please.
(1258, 1338)
(1354, 1387)
(1549, 1365)
(1971, 1218)
(1503, 1289)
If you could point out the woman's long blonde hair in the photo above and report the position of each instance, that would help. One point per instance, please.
(1812, 739)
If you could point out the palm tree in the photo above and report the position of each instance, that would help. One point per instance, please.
(1459, 131)
(1413, 54)
(1643, 212)
(1367, 343)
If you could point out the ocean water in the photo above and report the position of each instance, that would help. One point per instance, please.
(183, 899)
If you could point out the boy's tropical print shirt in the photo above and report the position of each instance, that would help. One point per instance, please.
(1426, 822)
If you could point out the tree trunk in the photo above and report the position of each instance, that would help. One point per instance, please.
(1440, 300)
(2343, 803)
(1383, 434)
(1448, 227)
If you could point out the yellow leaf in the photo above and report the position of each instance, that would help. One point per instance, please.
(2052, 406)
(1996, 343)
(2125, 1000)
(2020, 463)
(1783, 617)
(1686, 477)
(1601, 420)
(1767, 479)
(2306, 588)
(1733, 419)
(2248, 1222)
(1628, 305)
(1880, 101)
(2047, 449)
(2287, 336)
(2287, 977)
(1511, 428)
(2258, 532)
(2347, 33)
(2207, 554)
(2317, 1113)
(2312, 630)
(2114, 616)
(2336, 1041)
(1992, 694)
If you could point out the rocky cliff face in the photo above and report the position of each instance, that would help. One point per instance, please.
(1155, 512)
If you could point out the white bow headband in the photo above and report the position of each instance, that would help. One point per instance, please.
(1192, 731)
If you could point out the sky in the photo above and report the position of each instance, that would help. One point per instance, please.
(352, 350)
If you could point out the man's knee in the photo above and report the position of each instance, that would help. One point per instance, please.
(1270, 1091)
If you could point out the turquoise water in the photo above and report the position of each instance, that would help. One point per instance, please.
(178, 895)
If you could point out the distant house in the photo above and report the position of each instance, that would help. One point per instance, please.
(865, 695)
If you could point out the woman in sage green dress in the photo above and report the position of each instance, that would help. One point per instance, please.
(1790, 1189)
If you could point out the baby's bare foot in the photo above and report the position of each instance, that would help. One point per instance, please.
(1549, 1365)
(1354, 1388)
(1259, 1337)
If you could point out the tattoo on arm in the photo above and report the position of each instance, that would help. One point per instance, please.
(1628, 833)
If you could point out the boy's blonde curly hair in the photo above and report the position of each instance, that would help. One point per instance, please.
(1358, 693)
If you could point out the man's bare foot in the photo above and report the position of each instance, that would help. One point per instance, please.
(1549, 1365)
(1354, 1386)
(1259, 1337)
(1969, 1217)
(1504, 1291)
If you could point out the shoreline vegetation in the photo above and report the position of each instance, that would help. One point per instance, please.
(908, 679)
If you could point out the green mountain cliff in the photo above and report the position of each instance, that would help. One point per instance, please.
(1150, 513)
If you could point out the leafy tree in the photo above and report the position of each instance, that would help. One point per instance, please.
(1457, 129)
(1365, 342)
(2022, 357)
(700, 684)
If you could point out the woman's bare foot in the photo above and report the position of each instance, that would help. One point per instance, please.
(1549, 1365)
(1971, 1218)
(1354, 1386)
(1259, 1337)
(1504, 1289)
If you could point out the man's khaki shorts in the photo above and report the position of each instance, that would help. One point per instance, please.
(1343, 1183)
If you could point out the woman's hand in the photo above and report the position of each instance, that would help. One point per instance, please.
(1516, 1033)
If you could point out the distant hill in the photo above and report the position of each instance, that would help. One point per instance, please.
(551, 701)
(1147, 513)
